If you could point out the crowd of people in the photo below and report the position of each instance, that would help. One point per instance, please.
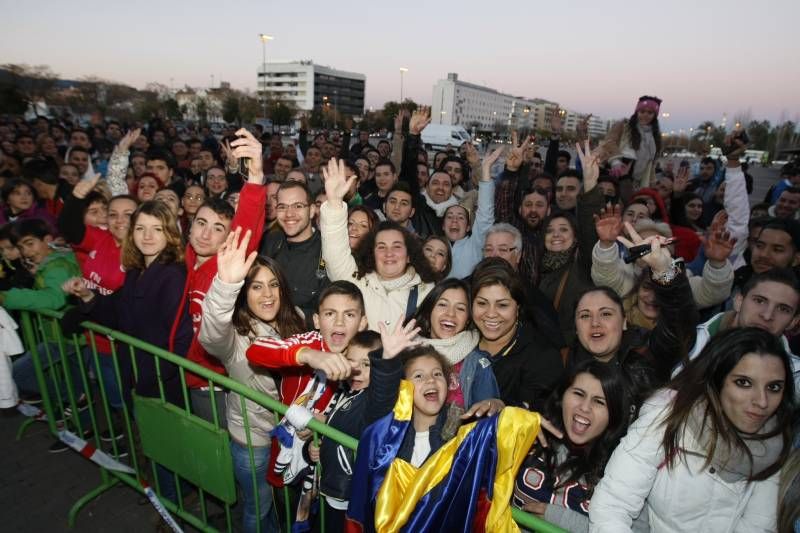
(648, 312)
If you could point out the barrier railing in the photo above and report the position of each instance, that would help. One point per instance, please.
(186, 458)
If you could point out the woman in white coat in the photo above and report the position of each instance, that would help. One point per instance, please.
(706, 452)
(393, 274)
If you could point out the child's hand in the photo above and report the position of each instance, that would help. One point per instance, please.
(313, 452)
(335, 365)
(398, 340)
(488, 407)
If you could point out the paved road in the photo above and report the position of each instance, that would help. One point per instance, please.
(39, 488)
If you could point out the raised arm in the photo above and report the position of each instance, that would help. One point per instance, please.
(217, 334)
(251, 213)
(118, 164)
(339, 261)
(70, 221)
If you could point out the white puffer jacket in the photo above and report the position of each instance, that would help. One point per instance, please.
(685, 498)
(382, 305)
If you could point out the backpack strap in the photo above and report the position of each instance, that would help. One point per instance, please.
(411, 305)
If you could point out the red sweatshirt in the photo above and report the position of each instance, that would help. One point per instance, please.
(281, 354)
(249, 215)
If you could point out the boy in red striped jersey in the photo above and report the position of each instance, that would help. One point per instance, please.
(340, 315)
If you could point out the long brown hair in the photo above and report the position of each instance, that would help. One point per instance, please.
(702, 381)
(132, 258)
(288, 321)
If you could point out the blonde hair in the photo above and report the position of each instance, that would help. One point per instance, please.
(132, 258)
(789, 493)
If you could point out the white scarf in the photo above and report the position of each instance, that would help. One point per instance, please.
(406, 281)
(440, 208)
(456, 348)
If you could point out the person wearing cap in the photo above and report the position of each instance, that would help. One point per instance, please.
(637, 139)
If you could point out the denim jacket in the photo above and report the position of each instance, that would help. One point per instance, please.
(477, 378)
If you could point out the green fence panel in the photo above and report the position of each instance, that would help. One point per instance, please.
(187, 445)
(191, 447)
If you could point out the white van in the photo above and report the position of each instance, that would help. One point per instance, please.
(440, 135)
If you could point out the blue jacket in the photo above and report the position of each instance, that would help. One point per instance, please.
(477, 379)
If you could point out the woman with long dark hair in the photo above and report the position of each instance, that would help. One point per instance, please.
(636, 140)
(706, 452)
(248, 298)
(392, 272)
(591, 408)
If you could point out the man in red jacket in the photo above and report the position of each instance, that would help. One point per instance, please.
(210, 227)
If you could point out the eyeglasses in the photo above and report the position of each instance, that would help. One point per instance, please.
(502, 250)
(283, 208)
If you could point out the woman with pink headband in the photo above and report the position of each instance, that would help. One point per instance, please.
(636, 141)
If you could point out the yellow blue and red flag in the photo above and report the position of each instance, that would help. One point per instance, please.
(465, 486)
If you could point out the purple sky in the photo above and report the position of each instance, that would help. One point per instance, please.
(703, 58)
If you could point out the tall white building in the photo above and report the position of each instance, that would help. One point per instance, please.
(457, 102)
(310, 86)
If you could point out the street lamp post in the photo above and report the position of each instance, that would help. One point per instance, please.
(403, 70)
(264, 38)
(689, 142)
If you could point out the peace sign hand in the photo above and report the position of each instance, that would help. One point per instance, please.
(659, 259)
(590, 165)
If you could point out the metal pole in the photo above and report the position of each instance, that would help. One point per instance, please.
(401, 87)
(264, 75)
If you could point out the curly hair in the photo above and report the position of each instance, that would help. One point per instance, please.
(366, 252)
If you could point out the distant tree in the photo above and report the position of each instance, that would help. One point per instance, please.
(281, 112)
(230, 109)
(33, 82)
(391, 108)
(759, 134)
(710, 134)
(171, 109)
(202, 111)
(147, 106)
(12, 100)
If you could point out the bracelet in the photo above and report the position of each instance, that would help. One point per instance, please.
(669, 275)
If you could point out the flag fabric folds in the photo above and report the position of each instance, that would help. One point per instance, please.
(465, 486)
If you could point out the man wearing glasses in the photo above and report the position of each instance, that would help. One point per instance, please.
(297, 246)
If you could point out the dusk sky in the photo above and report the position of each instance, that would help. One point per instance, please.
(702, 58)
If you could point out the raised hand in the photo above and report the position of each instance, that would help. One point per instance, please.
(398, 340)
(398, 120)
(76, 287)
(515, 157)
(128, 139)
(555, 122)
(247, 146)
(608, 224)
(681, 180)
(233, 263)
(84, 187)
(472, 154)
(337, 184)
(419, 119)
(659, 259)
(582, 128)
(718, 243)
(489, 161)
(590, 165)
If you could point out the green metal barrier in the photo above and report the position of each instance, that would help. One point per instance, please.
(195, 450)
